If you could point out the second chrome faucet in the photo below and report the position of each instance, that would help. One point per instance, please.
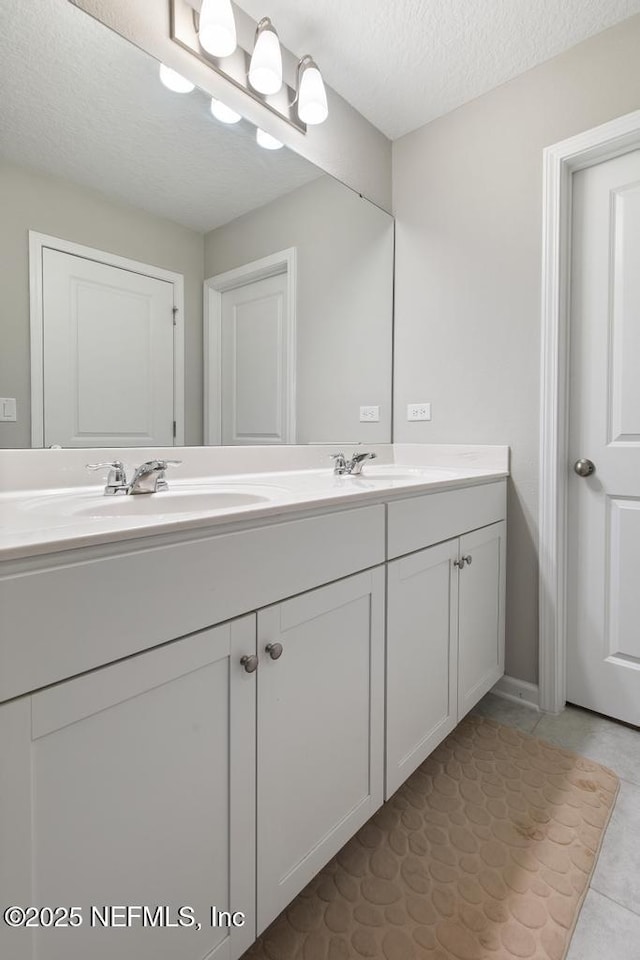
(353, 468)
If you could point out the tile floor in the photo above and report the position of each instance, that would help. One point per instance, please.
(609, 924)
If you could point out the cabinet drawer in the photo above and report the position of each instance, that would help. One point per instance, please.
(63, 621)
(422, 521)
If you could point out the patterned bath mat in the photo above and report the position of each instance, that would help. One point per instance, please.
(485, 853)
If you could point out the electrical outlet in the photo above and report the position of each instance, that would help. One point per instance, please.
(8, 409)
(418, 411)
(369, 414)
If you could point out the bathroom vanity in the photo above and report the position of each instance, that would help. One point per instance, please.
(205, 692)
(201, 708)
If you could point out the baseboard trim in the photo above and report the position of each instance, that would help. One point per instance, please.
(518, 691)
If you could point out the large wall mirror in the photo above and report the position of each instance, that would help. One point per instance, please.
(165, 279)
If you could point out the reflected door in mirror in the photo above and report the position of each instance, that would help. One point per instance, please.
(108, 346)
(258, 391)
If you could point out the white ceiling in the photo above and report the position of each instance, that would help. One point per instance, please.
(402, 63)
(81, 103)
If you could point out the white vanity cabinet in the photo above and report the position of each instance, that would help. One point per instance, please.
(139, 769)
(320, 730)
(422, 657)
(481, 605)
(135, 785)
(445, 619)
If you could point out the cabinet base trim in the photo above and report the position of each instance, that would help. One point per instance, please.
(518, 691)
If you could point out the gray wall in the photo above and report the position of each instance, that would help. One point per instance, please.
(344, 312)
(468, 200)
(346, 145)
(33, 201)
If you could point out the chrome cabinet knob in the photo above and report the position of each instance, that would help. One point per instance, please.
(250, 664)
(584, 467)
(467, 560)
(274, 650)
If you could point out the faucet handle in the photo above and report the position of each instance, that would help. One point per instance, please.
(149, 466)
(116, 464)
(116, 470)
(360, 457)
(117, 478)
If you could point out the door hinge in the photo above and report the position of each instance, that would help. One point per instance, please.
(174, 429)
(174, 311)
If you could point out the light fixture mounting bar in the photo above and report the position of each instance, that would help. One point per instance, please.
(235, 69)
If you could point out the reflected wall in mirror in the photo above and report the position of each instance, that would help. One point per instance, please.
(127, 211)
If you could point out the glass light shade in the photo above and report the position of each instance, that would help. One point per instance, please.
(267, 141)
(265, 69)
(312, 96)
(223, 113)
(217, 28)
(175, 81)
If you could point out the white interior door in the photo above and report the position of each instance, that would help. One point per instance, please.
(108, 346)
(257, 382)
(603, 656)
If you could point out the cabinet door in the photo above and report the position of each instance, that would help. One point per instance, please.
(320, 731)
(134, 785)
(481, 614)
(422, 613)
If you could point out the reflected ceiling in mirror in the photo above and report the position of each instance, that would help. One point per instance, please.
(112, 170)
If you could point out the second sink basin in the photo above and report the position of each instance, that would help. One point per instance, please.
(404, 474)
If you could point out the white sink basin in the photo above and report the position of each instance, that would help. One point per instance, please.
(169, 503)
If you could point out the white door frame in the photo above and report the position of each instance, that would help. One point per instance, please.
(37, 243)
(561, 161)
(272, 266)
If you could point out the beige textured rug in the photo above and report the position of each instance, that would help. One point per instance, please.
(485, 853)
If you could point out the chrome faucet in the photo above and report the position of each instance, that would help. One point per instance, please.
(147, 478)
(351, 467)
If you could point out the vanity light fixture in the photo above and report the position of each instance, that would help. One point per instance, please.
(265, 69)
(217, 28)
(267, 141)
(223, 113)
(175, 81)
(292, 90)
(312, 96)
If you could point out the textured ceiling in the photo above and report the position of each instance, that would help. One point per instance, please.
(405, 62)
(79, 102)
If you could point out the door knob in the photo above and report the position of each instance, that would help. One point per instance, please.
(249, 663)
(274, 650)
(584, 467)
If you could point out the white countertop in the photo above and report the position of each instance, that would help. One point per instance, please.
(36, 521)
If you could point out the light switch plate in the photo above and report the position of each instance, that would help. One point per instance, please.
(8, 411)
(418, 411)
(370, 414)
